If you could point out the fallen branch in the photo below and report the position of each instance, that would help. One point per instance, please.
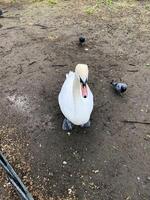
(9, 17)
(31, 63)
(135, 122)
(132, 64)
(40, 25)
(59, 65)
(132, 70)
(13, 27)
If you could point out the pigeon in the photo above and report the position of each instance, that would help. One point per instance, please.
(119, 87)
(2, 13)
(81, 40)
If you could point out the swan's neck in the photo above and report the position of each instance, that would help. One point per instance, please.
(76, 89)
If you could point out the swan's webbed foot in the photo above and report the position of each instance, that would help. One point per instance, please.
(67, 125)
(87, 125)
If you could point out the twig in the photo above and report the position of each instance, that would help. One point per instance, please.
(9, 17)
(13, 27)
(132, 64)
(59, 65)
(40, 25)
(102, 105)
(132, 70)
(135, 122)
(31, 63)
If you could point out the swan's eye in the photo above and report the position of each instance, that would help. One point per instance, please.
(83, 83)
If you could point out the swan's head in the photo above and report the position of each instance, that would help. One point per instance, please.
(81, 72)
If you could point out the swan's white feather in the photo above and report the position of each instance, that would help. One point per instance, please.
(78, 114)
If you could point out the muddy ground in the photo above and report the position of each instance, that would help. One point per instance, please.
(111, 159)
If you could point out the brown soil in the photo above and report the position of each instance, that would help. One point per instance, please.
(110, 160)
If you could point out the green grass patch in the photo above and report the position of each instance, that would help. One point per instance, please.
(90, 10)
(147, 7)
(108, 2)
(52, 2)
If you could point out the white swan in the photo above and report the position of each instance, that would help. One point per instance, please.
(76, 99)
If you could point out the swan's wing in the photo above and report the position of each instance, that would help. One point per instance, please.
(65, 98)
(91, 103)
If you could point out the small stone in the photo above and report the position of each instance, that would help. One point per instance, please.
(83, 184)
(68, 133)
(30, 24)
(50, 174)
(95, 171)
(138, 178)
(128, 198)
(108, 132)
(147, 137)
(86, 49)
(148, 178)
(69, 191)
(64, 163)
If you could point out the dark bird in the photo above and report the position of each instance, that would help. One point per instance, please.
(119, 87)
(2, 13)
(81, 40)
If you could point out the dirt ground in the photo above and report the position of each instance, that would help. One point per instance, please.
(111, 159)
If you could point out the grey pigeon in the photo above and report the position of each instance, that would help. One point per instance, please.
(119, 87)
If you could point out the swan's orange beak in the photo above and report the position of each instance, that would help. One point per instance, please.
(84, 91)
(84, 88)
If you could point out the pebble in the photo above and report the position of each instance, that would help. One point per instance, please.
(138, 178)
(128, 198)
(86, 49)
(95, 171)
(64, 163)
(68, 133)
(70, 191)
(50, 174)
(148, 178)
